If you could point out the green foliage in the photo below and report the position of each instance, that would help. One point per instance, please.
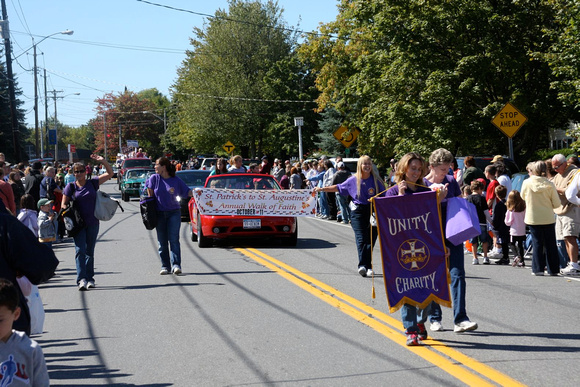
(545, 154)
(231, 77)
(564, 55)
(6, 130)
(416, 75)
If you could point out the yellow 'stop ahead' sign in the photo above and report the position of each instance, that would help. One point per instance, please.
(509, 120)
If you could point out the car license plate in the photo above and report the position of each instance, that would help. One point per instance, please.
(252, 223)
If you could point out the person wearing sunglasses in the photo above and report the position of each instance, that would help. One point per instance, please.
(84, 192)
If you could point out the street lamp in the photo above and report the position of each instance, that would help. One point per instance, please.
(67, 32)
(54, 96)
(164, 118)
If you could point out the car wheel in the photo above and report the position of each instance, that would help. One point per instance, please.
(202, 241)
(293, 239)
(193, 235)
(125, 197)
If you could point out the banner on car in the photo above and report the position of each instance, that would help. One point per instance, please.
(412, 250)
(247, 202)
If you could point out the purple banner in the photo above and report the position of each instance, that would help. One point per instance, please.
(412, 250)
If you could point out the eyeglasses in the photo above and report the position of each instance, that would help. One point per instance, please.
(557, 166)
(80, 171)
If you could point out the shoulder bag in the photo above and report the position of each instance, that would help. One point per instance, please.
(71, 216)
(148, 205)
(105, 205)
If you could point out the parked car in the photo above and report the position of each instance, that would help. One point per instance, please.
(207, 163)
(482, 162)
(132, 181)
(349, 163)
(518, 180)
(193, 178)
(207, 228)
(132, 163)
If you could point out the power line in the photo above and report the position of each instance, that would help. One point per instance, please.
(245, 99)
(312, 33)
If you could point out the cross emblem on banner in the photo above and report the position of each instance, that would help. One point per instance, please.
(412, 255)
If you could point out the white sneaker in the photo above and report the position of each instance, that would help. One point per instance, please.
(83, 284)
(436, 326)
(475, 261)
(362, 271)
(370, 273)
(176, 270)
(90, 284)
(164, 271)
(485, 260)
(465, 326)
(572, 268)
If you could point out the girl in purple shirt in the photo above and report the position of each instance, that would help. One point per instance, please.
(364, 185)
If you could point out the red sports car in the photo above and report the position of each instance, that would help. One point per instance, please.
(207, 228)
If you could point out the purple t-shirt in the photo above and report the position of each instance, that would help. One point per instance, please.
(394, 190)
(453, 190)
(367, 189)
(85, 198)
(166, 191)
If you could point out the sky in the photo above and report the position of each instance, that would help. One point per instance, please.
(116, 44)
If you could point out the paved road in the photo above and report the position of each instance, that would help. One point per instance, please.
(266, 315)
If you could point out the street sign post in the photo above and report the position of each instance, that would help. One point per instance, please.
(346, 138)
(299, 122)
(509, 120)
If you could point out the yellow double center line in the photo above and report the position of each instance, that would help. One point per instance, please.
(462, 367)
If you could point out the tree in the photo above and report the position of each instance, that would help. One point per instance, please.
(564, 55)
(227, 89)
(416, 75)
(124, 119)
(6, 130)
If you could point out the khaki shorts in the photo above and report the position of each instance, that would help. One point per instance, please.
(569, 224)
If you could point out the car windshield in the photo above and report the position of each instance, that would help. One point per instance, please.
(137, 174)
(137, 163)
(193, 178)
(248, 181)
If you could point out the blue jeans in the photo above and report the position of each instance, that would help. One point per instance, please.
(343, 205)
(544, 248)
(457, 271)
(85, 242)
(168, 225)
(562, 253)
(323, 201)
(361, 225)
(411, 316)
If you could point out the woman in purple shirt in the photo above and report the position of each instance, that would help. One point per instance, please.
(85, 196)
(365, 184)
(409, 180)
(166, 188)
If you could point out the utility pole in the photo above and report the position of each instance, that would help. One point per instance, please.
(42, 135)
(12, 94)
(54, 96)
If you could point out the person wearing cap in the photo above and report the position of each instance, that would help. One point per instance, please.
(33, 180)
(46, 225)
